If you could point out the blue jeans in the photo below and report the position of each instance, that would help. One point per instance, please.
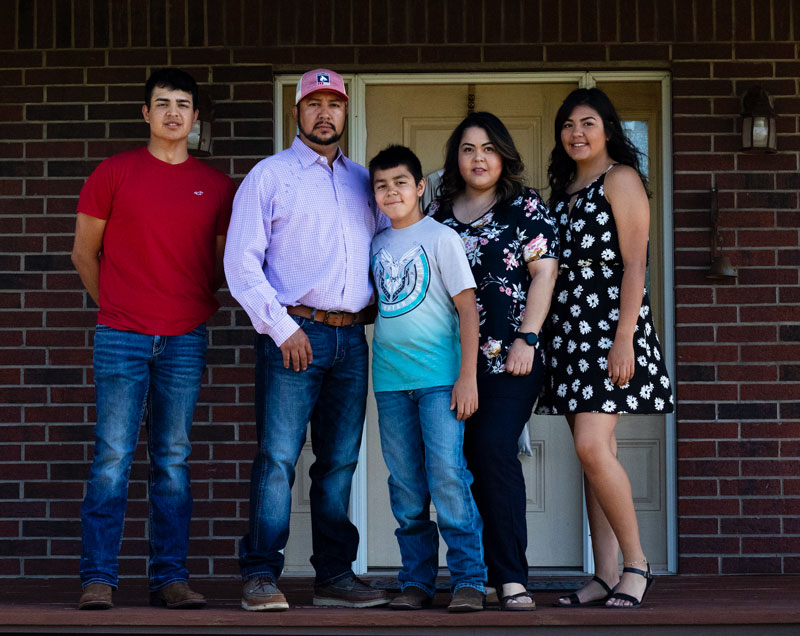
(156, 378)
(422, 444)
(331, 393)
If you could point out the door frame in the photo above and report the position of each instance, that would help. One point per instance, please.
(357, 140)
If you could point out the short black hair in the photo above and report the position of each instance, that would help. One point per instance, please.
(394, 156)
(173, 78)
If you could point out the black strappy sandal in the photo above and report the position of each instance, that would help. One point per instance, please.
(574, 601)
(509, 603)
(635, 602)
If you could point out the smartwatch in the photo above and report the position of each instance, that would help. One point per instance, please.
(529, 338)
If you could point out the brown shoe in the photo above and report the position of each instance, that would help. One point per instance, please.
(412, 598)
(262, 595)
(177, 596)
(349, 591)
(96, 596)
(467, 599)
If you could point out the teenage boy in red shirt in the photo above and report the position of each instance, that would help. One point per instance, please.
(149, 242)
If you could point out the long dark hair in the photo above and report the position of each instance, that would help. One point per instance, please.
(510, 184)
(562, 168)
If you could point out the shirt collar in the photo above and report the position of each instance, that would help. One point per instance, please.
(308, 156)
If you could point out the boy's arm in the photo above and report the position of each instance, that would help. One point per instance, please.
(464, 399)
(86, 250)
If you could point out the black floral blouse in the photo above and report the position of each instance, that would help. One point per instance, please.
(499, 246)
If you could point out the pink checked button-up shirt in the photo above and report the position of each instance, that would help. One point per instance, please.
(300, 235)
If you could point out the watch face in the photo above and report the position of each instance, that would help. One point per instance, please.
(531, 338)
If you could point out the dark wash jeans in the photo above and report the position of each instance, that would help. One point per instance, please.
(331, 393)
(137, 374)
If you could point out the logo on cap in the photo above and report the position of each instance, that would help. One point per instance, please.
(323, 79)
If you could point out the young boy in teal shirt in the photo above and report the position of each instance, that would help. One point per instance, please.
(424, 361)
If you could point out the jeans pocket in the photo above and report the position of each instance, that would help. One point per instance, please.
(301, 322)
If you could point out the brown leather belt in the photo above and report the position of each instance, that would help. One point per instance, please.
(334, 318)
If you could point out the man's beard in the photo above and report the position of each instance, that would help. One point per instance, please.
(319, 140)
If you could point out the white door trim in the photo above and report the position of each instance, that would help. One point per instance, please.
(357, 138)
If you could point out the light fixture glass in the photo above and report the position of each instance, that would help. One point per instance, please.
(759, 132)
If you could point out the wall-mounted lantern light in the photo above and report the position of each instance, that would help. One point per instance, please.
(721, 267)
(758, 121)
(200, 135)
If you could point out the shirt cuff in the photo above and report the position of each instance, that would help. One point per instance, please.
(283, 329)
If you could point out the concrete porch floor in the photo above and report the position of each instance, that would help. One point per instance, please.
(676, 605)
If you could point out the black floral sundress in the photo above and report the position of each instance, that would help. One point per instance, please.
(499, 246)
(584, 313)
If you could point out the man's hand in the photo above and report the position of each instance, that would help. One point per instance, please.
(464, 399)
(296, 350)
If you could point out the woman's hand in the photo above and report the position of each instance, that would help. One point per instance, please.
(621, 362)
(520, 358)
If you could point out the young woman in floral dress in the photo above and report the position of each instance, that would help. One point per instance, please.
(512, 246)
(603, 353)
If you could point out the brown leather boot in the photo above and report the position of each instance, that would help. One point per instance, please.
(177, 596)
(96, 596)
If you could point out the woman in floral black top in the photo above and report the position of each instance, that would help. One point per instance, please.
(512, 246)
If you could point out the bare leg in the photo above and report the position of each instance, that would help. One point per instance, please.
(604, 543)
(612, 517)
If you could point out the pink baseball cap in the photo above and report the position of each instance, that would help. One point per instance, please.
(320, 79)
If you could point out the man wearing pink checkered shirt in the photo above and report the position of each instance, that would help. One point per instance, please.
(297, 260)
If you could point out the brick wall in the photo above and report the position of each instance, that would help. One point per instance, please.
(70, 84)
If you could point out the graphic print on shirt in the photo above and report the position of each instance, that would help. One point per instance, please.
(402, 283)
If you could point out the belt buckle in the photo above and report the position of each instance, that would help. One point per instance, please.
(328, 315)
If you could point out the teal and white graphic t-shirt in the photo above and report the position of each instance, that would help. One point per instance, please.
(417, 270)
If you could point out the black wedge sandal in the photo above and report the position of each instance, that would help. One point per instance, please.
(574, 601)
(635, 602)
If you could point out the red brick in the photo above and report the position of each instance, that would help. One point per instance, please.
(704, 125)
(708, 545)
(750, 565)
(772, 468)
(701, 51)
(697, 488)
(694, 295)
(775, 162)
(790, 449)
(748, 448)
(747, 373)
(770, 238)
(756, 545)
(770, 352)
(698, 565)
(704, 315)
(771, 430)
(750, 525)
(708, 468)
(764, 276)
(747, 333)
(706, 353)
(706, 507)
(697, 525)
(712, 392)
(743, 69)
(762, 314)
(781, 391)
(705, 163)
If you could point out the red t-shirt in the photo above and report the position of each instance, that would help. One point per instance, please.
(157, 261)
